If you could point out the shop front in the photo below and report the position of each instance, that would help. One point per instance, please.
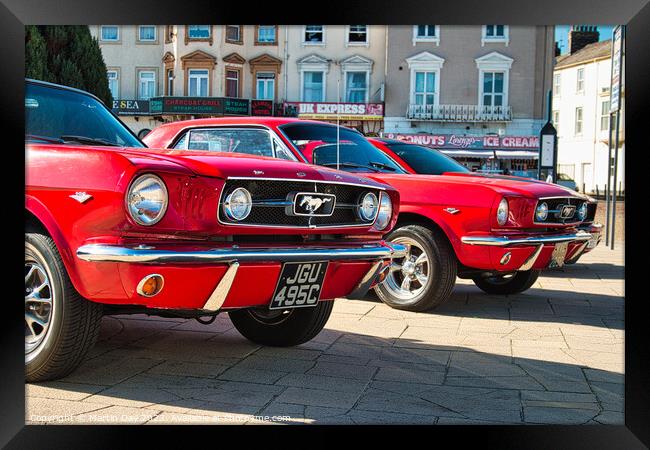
(510, 155)
(135, 114)
(368, 118)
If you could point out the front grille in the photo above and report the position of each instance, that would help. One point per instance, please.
(272, 201)
(554, 207)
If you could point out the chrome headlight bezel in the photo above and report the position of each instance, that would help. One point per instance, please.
(385, 212)
(135, 212)
(582, 211)
(503, 210)
(541, 212)
(228, 202)
(368, 199)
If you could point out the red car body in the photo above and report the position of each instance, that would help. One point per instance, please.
(463, 206)
(106, 253)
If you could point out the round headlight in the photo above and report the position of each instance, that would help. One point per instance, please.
(385, 211)
(238, 204)
(368, 207)
(502, 212)
(541, 212)
(147, 199)
(582, 211)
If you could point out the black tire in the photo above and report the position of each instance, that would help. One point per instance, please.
(501, 285)
(282, 328)
(73, 323)
(441, 271)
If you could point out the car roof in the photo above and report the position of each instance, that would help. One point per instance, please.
(241, 120)
(61, 86)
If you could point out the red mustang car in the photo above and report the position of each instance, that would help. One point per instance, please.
(498, 231)
(112, 226)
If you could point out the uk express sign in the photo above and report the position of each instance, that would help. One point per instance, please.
(341, 111)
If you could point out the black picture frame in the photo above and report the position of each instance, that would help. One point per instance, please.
(635, 14)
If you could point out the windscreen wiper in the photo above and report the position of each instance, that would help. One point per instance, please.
(87, 140)
(351, 165)
(382, 166)
(50, 140)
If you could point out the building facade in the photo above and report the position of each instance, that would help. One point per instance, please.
(479, 92)
(172, 72)
(581, 104)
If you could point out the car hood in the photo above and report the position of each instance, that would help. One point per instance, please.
(502, 184)
(229, 165)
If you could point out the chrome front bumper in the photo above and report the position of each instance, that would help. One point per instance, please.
(151, 255)
(380, 254)
(538, 241)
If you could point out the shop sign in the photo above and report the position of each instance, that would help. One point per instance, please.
(455, 141)
(341, 111)
(199, 105)
(131, 107)
(261, 108)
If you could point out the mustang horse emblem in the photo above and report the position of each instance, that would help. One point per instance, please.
(313, 204)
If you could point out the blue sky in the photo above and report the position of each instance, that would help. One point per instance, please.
(562, 34)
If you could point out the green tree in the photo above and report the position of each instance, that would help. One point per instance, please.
(67, 55)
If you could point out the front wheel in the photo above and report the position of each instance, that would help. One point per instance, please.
(281, 328)
(507, 284)
(423, 279)
(60, 325)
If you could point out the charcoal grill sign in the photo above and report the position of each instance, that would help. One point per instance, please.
(187, 105)
(131, 107)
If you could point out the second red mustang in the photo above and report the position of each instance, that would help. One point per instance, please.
(498, 231)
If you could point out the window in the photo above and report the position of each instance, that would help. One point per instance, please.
(556, 121)
(169, 34)
(426, 33)
(233, 34)
(313, 86)
(110, 33)
(425, 88)
(426, 160)
(146, 84)
(356, 87)
(358, 34)
(52, 113)
(198, 82)
(170, 82)
(147, 33)
(266, 34)
(232, 83)
(580, 80)
(604, 115)
(495, 33)
(114, 83)
(493, 89)
(556, 85)
(198, 31)
(265, 82)
(578, 124)
(314, 34)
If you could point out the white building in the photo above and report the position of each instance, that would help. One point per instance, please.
(581, 83)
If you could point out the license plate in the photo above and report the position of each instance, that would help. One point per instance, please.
(299, 285)
(558, 255)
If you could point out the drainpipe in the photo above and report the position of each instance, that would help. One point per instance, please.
(286, 60)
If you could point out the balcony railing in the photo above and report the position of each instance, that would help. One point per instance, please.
(459, 113)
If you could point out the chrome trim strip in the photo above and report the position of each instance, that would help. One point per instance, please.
(218, 296)
(530, 261)
(504, 241)
(367, 186)
(116, 253)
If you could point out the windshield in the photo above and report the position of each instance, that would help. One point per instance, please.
(60, 116)
(425, 160)
(317, 143)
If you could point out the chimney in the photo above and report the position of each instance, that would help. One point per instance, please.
(582, 35)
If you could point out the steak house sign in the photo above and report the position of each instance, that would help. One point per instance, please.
(454, 141)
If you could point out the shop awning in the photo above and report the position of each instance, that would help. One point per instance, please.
(517, 154)
(469, 153)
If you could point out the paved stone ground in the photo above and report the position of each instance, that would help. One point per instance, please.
(551, 355)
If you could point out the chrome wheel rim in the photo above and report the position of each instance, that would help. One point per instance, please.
(39, 306)
(409, 276)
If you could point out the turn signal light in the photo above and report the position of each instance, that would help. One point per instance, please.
(150, 285)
